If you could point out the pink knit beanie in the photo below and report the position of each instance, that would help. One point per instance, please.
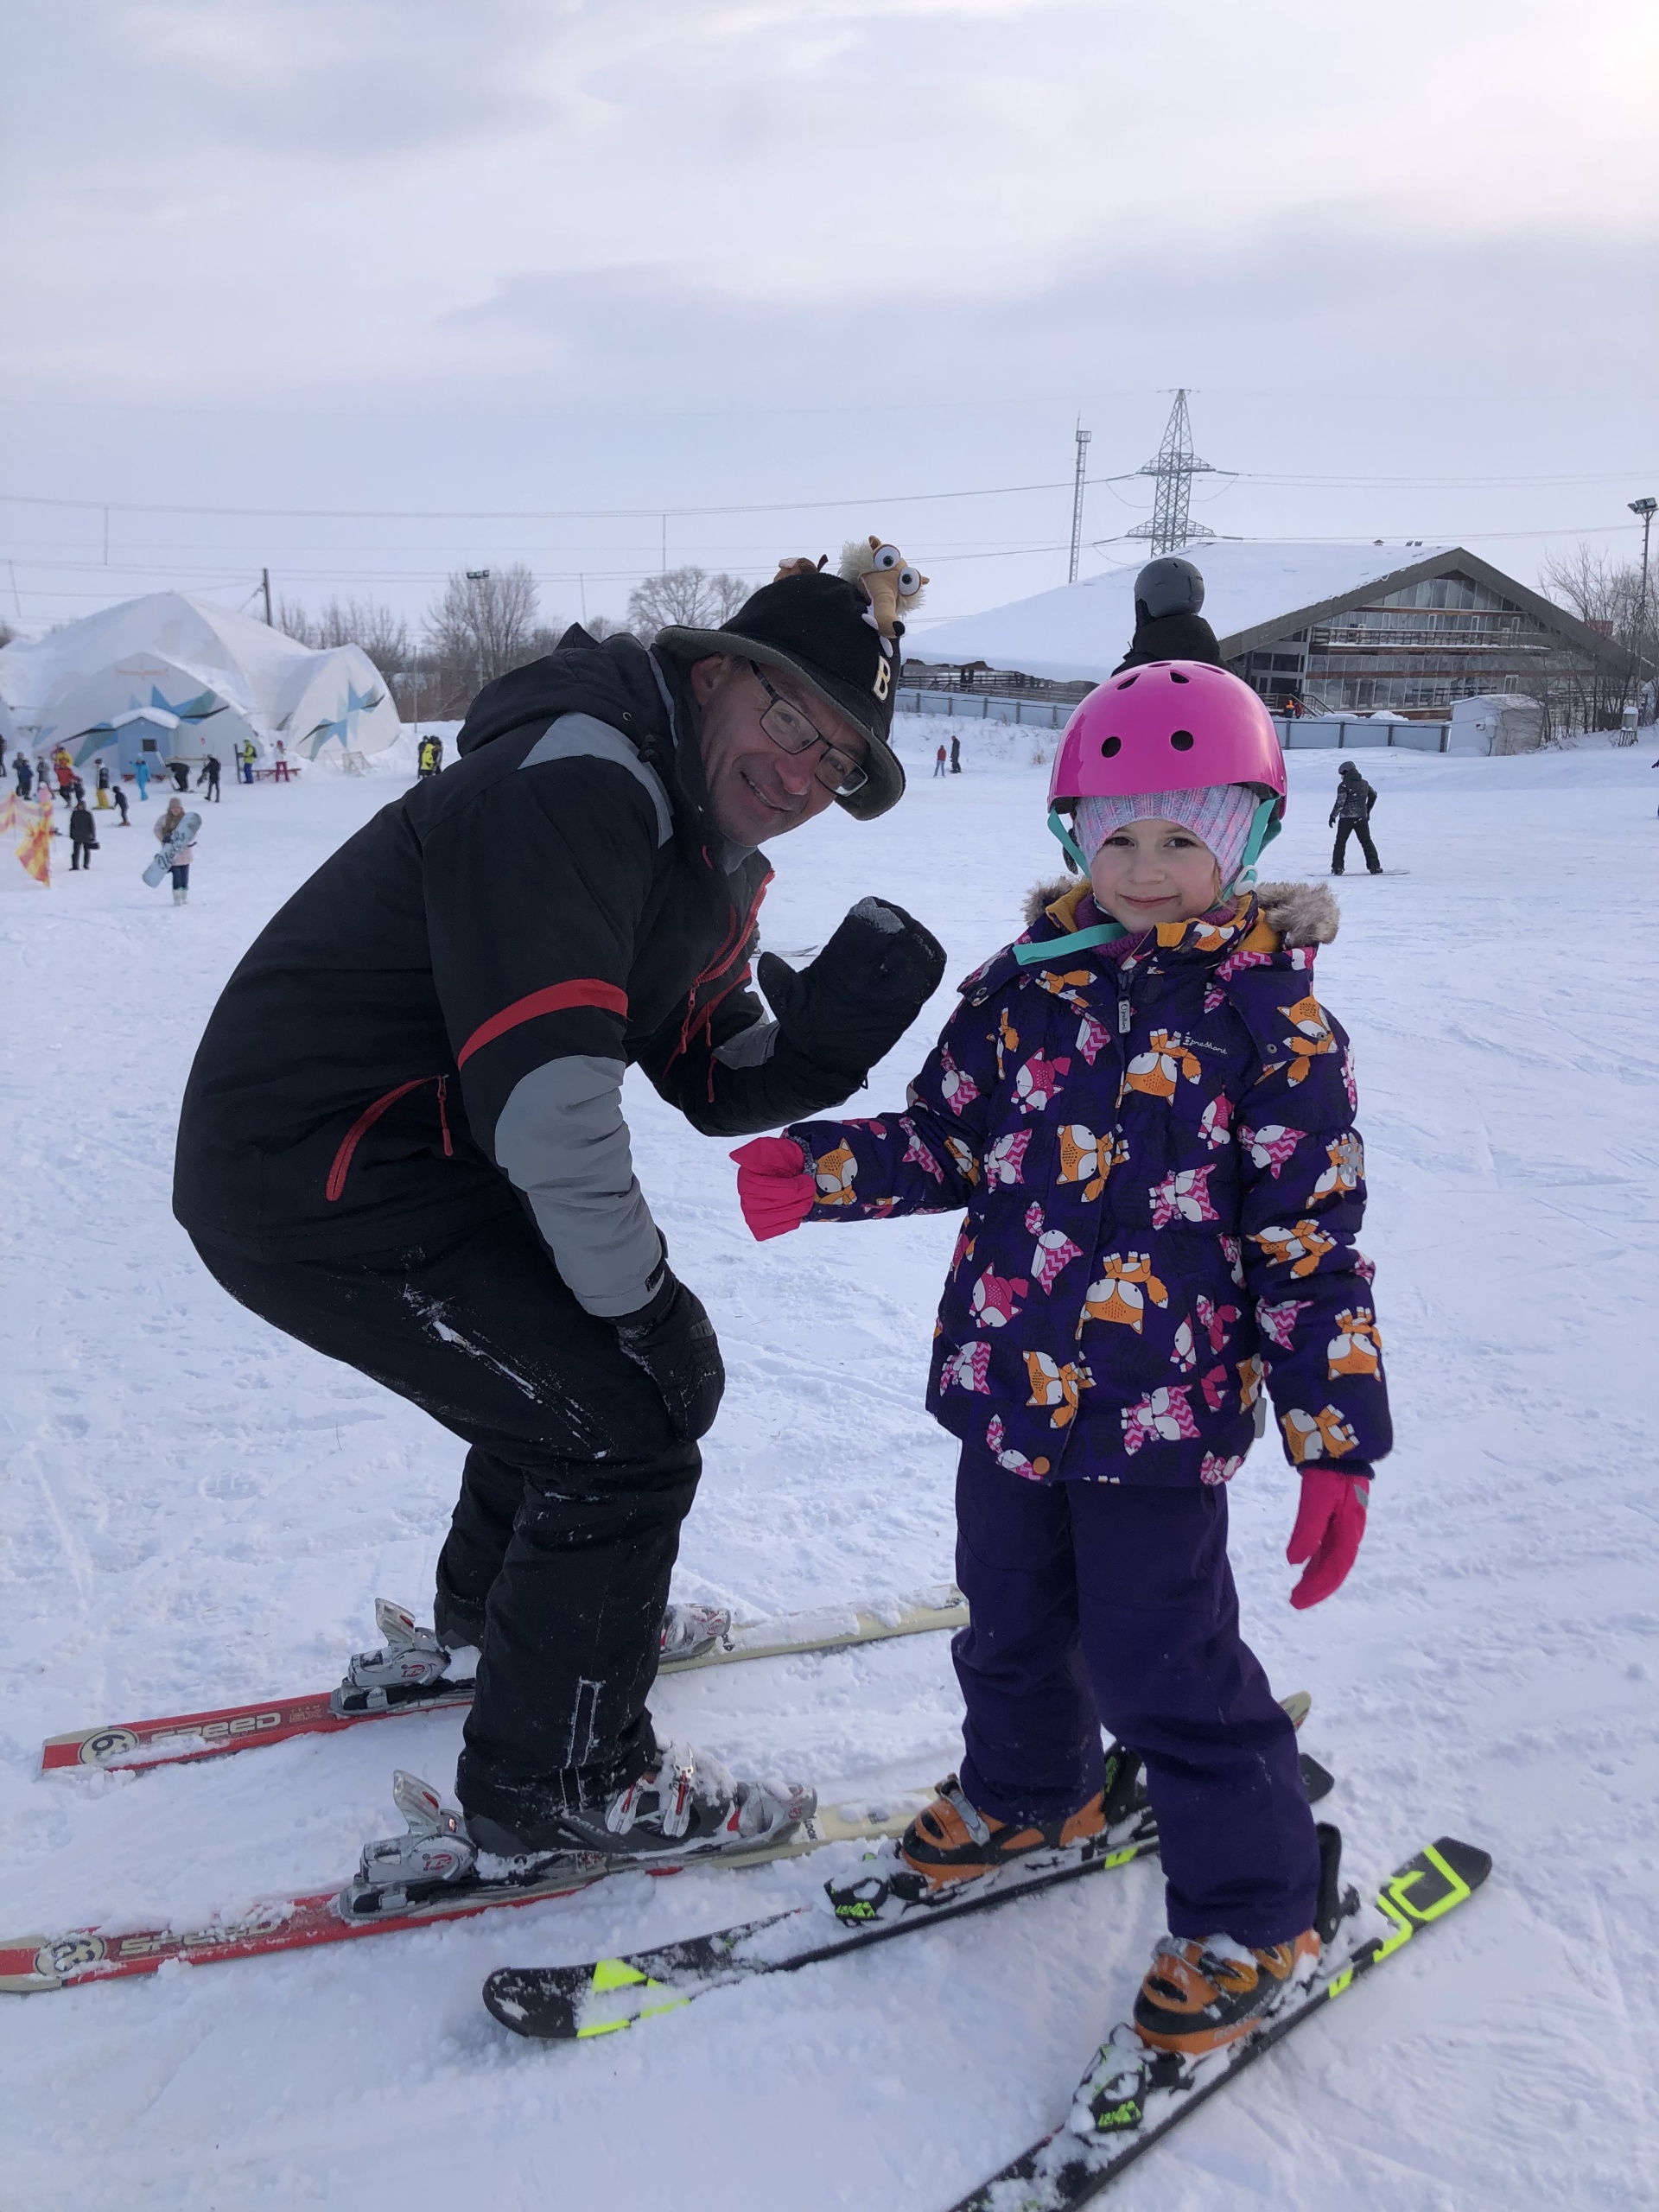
(1221, 813)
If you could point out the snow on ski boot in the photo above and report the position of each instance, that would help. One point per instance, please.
(412, 1661)
(686, 1806)
(1201, 1996)
(436, 1856)
(1201, 1993)
(690, 1630)
(952, 1843)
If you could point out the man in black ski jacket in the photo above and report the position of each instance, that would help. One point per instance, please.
(403, 1140)
(1351, 817)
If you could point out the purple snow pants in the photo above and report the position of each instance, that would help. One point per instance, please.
(1104, 1604)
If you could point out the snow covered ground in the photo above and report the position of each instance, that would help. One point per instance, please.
(196, 1509)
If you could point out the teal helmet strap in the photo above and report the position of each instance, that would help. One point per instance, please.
(1264, 828)
(1028, 955)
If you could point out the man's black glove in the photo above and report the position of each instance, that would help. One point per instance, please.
(673, 1339)
(861, 993)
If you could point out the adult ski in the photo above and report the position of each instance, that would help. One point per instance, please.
(573, 2003)
(1132, 2097)
(412, 1881)
(408, 1675)
(437, 1883)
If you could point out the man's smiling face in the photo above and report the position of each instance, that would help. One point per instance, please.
(756, 790)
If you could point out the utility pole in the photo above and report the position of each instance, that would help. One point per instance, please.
(1173, 467)
(264, 585)
(1076, 499)
(1646, 509)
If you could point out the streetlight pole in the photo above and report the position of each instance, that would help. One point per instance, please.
(1646, 509)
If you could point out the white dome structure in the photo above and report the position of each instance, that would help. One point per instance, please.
(179, 678)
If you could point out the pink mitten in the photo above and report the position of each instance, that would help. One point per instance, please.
(775, 1187)
(1330, 1522)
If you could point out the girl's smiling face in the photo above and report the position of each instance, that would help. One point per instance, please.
(1152, 872)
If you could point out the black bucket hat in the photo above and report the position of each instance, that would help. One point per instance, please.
(814, 627)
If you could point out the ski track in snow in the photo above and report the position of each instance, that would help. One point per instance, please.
(197, 1510)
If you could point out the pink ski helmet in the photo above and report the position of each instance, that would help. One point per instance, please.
(1168, 726)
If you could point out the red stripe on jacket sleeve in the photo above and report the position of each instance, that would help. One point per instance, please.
(583, 990)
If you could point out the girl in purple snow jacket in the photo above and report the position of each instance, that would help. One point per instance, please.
(1146, 1117)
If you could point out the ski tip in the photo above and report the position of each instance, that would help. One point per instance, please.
(1318, 1781)
(1466, 1860)
(529, 2004)
(1298, 1705)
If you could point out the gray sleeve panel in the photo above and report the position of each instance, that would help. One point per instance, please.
(562, 1140)
(584, 737)
(750, 1048)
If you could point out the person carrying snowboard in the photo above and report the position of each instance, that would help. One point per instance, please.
(166, 823)
(403, 1141)
(1148, 1117)
(1351, 817)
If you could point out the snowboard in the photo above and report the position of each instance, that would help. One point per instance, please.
(180, 841)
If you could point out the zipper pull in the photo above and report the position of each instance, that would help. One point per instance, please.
(1125, 1017)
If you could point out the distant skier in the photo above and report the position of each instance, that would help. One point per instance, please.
(83, 836)
(1175, 1225)
(120, 797)
(63, 768)
(23, 772)
(1351, 817)
(180, 771)
(141, 775)
(102, 797)
(245, 760)
(956, 754)
(938, 762)
(209, 777)
(166, 823)
(428, 759)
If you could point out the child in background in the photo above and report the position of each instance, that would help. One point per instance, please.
(1149, 1118)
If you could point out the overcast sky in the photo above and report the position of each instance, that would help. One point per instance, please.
(806, 262)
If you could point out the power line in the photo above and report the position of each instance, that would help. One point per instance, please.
(788, 507)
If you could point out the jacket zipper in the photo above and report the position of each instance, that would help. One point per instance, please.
(730, 944)
(334, 1188)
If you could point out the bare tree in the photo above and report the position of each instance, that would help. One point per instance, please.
(481, 625)
(600, 627)
(1606, 596)
(689, 598)
(382, 635)
(295, 621)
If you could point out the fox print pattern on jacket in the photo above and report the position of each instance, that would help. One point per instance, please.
(1162, 1183)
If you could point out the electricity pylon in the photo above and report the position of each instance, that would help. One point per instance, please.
(1175, 466)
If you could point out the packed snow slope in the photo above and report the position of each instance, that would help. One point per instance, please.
(198, 1511)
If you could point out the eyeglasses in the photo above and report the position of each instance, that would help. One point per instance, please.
(791, 732)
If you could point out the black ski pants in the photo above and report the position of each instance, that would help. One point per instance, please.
(559, 1554)
(1352, 827)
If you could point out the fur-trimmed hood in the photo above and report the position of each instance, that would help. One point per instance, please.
(1300, 913)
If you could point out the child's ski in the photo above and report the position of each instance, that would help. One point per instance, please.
(570, 2004)
(447, 1891)
(1132, 2096)
(241, 1727)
